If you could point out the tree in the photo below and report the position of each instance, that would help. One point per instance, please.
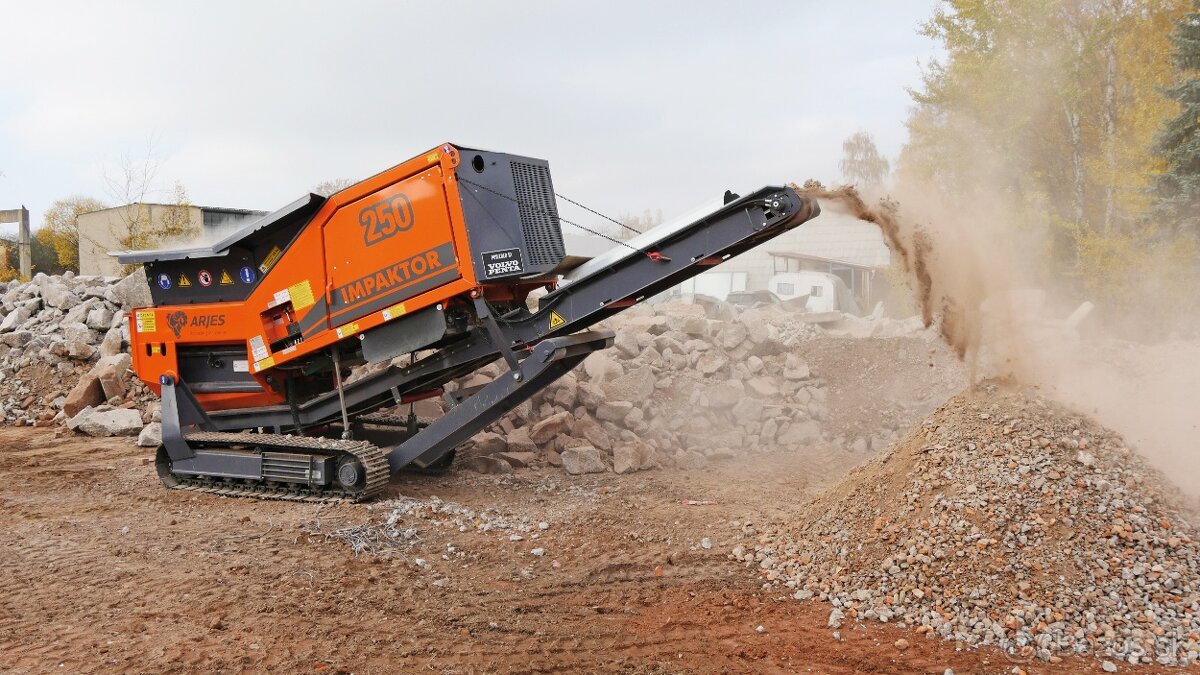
(43, 258)
(1178, 143)
(862, 165)
(328, 187)
(130, 186)
(175, 222)
(630, 225)
(141, 225)
(1040, 121)
(60, 231)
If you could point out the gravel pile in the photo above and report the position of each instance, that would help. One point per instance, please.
(63, 349)
(685, 384)
(1007, 520)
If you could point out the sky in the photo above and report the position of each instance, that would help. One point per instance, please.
(636, 105)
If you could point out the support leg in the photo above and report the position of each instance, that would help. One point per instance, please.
(180, 411)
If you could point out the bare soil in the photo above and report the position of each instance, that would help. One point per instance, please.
(104, 570)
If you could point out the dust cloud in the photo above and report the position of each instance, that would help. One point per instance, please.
(973, 275)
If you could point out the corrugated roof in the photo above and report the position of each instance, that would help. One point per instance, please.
(838, 237)
(215, 209)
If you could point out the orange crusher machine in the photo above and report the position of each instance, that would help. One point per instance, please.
(250, 340)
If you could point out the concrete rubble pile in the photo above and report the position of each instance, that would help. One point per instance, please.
(1003, 520)
(64, 343)
(685, 384)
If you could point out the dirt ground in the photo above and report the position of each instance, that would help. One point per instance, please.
(103, 570)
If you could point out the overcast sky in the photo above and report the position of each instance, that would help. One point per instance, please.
(637, 105)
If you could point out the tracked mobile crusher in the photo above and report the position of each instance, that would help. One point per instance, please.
(251, 338)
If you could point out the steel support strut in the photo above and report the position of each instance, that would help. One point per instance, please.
(180, 411)
(550, 360)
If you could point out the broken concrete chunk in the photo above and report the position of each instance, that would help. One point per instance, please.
(583, 460)
(485, 464)
(151, 436)
(545, 430)
(87, 392)
(116, 422)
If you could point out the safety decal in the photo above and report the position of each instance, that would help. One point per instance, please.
(226, 280)
(269, 261)
(281, 297)
(258, 348)
(205, 278)
(241, 366)
(146, 322)
(556, 320)
(164, 282)
(184, 281)
(394, 311)
(247, 275)
(264, 364)
(347, 330)
(301, 295)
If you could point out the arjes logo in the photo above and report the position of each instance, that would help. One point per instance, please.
(177, 320)
(385, 218)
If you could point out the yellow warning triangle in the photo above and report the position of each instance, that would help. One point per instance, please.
(556, 319)
(226, 280)
(184, 282)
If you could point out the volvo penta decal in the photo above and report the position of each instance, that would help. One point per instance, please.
(502, 263)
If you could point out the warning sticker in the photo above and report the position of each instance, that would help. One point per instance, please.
(226, 280)
(241, 366)
(281, 297)
(146, 322)
(348, 329)
(301, 295)
(556, 320)
(393, 312)
(204, 277)
(184, 282)
(269, 261)
(264, 364)
(258, 348)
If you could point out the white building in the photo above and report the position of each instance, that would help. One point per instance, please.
(833, 242)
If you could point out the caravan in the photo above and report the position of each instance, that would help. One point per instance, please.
(826, 292)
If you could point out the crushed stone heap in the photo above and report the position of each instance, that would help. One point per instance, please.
(1005, 519)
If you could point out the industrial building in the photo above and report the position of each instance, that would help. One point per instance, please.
(109, 229)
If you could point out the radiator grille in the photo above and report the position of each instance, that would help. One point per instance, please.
(284, 466)
(539, 214)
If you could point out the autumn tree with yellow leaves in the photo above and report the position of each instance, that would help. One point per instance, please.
(1052, 107)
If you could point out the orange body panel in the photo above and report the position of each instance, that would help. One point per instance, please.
(392, 244)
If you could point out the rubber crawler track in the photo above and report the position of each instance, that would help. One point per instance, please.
(370, 455)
